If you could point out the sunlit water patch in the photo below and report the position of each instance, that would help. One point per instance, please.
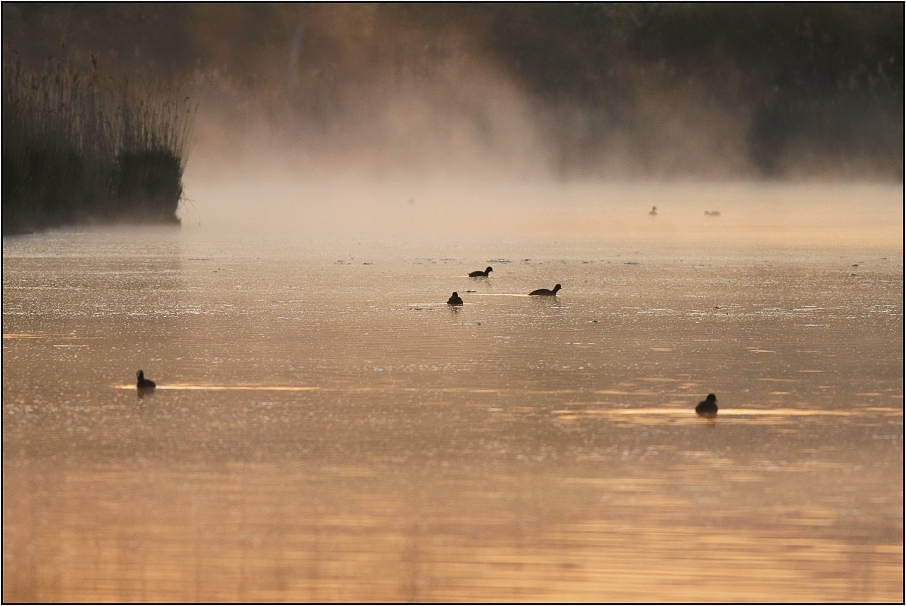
(326, 431)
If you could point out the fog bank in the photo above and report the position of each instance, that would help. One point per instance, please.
(565, 91)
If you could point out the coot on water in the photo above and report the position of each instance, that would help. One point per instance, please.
(144, 383)
(707, 408)
(543, 292)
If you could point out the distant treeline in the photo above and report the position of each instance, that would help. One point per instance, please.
(78, 148)
(723, 89)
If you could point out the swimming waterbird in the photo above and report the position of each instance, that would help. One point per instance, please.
(480, 274)
(144, 383)
(543, 292)
(707, 408)
(454, 300)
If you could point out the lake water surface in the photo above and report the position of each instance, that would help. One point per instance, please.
(326, 428)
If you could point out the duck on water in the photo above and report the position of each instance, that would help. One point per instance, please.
(708, 407)
(480, 274)
(454, 300)
(543, 292)
(142, 382)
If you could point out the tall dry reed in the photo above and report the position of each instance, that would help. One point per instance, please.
(78, 147)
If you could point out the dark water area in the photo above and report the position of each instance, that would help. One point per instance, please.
(326, 428)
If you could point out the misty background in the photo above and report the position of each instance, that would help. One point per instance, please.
(563, 91)
(488, 120)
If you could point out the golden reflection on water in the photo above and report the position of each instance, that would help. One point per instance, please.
(185, 387)
(176, 532)
(329, 443)
(165, 533)
(737, 412)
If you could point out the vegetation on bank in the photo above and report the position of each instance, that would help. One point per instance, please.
(714, 90)
(79, 148)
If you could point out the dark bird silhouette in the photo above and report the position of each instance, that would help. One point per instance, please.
(144, 383)
(480, 274)
(707, 408)
(543, 292)
(454, 300)
(653, 211)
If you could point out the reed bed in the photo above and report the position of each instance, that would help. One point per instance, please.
(81, 148)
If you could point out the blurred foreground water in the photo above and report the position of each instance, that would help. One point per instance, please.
(326, 428)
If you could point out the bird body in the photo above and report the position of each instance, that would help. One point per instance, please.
(454, 300)
(144, 383)
(480, 274)
(653, 211)
(708, 407)
(543, 292)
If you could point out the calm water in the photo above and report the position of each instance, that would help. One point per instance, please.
(326, 428)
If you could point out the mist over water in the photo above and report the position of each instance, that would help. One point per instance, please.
(787, 216)
(577, 91)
